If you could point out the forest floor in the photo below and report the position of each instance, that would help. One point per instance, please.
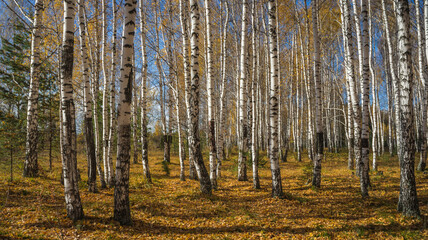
(33, 208)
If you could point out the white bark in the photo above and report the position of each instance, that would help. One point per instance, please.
(122, 212)
(392, 74)
(243, 135)
(408, 201)
(210, 93)
(31, 164)
(144, 136)
(273, 102)
(87, 99)
(107, 171)
(194, 100)
(365, 91)
(69, 159)
(112, 100)
(184, 13)
(220, 145)
(316, 179)
(254, 148)
(423, 68)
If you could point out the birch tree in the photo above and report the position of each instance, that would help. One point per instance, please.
(69, 160)
(392, 69)
(184, 14)
(31, 165)
(112, 100)
(364, 163)
(144, 135)
(210, 84)
(423, 68)
(122, 211)
(220, 145)
(243, 135)
(408, 200)
(273, 102)
(87, 99)
(203, 176)
(316, 179)
(105, 116)
(254, 148)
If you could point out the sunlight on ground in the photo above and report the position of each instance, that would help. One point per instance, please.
(34, 207)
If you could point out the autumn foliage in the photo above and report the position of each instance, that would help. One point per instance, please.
(33, 208)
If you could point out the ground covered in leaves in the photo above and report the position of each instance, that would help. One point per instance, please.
(33, 208)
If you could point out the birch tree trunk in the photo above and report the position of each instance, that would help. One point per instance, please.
(134, 107)
(210, 102)
(352, 97)
(31, 166)
(181, 153)
(161, 85)
(394, 79)
(254, 148)
(423, 71)
(407, 201)
(364, 163)
(243, 136)
(69, 160)
(204, 178)
(144, 136)
(220, 146)
(122, 211)
(316, 179)
(105, 116)
(184, 10)
(112, 99)
(89, 128)
(273, 102)
(374, 96)
(94, 90)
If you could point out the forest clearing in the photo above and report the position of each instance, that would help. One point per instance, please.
(33, 208)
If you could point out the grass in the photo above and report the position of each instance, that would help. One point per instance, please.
(33, 208)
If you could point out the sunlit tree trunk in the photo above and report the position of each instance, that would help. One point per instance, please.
(319, 151)
(423, 71)
(374, 96)
(408, 201)
(210, 102)
(122, 211)
(254, 147)
(242, 145)
(31, 166)
(144, 135)
(392, 74)
(181, 153)
(107, 170)
(204, 178)
(221, 130)
(352, 98)
(349, 71)
(184, 14)
(273, 102)
(87, 99)
(365, 92)
(112, 100)
(134, 113)
(69, 160)
(94, 91)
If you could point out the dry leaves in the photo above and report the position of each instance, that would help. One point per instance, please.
(172, 209)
